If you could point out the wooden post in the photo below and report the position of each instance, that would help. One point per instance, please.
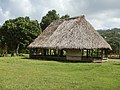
(46, 52)
(58, 52)
(37, 51)
(82, 54)
(61, 52)
(87, 53)
(92, 53)
(43, 52)
(106, 53)
(97, 52)
(54, 52)
(101, 53)
(50, 52)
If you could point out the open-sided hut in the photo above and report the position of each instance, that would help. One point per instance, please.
(70, 39)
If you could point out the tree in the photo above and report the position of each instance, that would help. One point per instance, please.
(113, 38)
(48, 18)
(3, 47)
(65, 16)
(18, 33)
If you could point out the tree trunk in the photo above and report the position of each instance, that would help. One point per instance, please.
(12, 53)
(119, 50)
(4, 51)
(17, 50)
(119, 54)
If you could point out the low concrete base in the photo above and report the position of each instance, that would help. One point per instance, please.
(47, 57)
(65, 58)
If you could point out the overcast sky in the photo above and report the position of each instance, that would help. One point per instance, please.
(102, 14)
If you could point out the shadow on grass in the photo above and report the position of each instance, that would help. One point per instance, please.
(57, 60)
(117, 64)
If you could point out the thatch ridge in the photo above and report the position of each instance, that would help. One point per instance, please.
(72, 33)
(82, 16)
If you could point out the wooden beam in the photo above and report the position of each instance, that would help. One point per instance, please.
(55, 52)
(87, 53)
(106, 53)
(82, 52)
(61, 52)
(101, 53)
(97, 52)
(50, 52)
(92, 53)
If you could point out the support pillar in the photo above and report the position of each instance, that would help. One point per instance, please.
(102, 54)
(87, 53)
(82, 52)
(97, 52)
(61, 52)
(43, 52)
(92, 53)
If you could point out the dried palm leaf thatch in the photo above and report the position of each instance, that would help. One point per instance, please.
(72, 33)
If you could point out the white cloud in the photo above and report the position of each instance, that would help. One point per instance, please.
(15, 8)
(20, 7)
(4, 15)
(101, 13)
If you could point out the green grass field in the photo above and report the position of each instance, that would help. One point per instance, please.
(17, 73)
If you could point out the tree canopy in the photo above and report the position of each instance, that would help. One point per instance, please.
(48, 18)
(18, 33)
(65, 16)
(113, 38)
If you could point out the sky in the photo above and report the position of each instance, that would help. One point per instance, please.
(102, 14)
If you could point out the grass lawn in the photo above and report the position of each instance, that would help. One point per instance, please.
(17, 73)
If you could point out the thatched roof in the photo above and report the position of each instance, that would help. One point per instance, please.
(72, 33)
